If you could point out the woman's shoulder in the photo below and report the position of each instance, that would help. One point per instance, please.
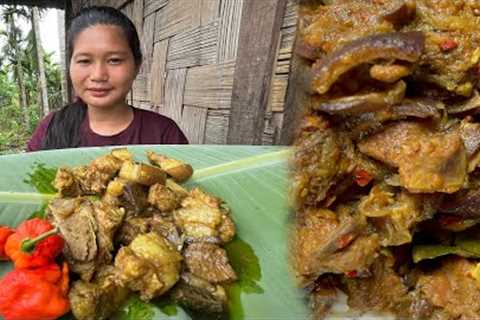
(35, 142)
(147, 115)
(161, 126)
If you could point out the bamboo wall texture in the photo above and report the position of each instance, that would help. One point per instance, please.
(190, 49)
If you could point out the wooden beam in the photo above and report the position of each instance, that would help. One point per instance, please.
(297, 100)
(258, 42)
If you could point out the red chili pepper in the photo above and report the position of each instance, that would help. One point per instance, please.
(351, 274)
(345, 240)
(448, 44)
(34, 244)
(362, 177)
(5, 232)
(35, 294)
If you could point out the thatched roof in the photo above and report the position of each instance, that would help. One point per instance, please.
(58, 4)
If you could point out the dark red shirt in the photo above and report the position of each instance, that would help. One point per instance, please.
(146, 128)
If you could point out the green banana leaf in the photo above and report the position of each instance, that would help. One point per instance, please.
(251, 179)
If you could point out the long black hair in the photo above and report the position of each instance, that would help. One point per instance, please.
(64, 128)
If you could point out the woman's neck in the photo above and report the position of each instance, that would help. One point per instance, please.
(108, 122)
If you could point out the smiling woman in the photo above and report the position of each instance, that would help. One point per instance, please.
(105, 56)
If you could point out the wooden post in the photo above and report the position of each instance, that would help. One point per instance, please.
(258, 41)
(297, 99)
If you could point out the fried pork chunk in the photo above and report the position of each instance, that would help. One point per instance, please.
(343, 246)
(149, 264)
(452, 289)
(99, 299)
(88, 229)
(198, 294)
(427, 161)
(203, 218)
(210, 262)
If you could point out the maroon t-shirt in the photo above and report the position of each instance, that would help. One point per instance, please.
(146, 128)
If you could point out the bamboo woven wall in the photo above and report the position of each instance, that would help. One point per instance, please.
(190, 49)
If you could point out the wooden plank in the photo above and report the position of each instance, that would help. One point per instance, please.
(177, 16)
(194, 47)
(151, 6)
(217, 126)
(157, 72)
(210, 86)
(193, 123)
(174, 87)
(209, 11)
(258, 42)
(229, 29)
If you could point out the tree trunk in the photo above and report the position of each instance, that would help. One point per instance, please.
(63, 64)
(42, 80)
(20, 80)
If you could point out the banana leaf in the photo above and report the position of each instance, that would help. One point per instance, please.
(251, 179)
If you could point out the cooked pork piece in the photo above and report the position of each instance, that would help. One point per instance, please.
(66, 184)
(149, 265)
(163, 198)
(178, 170)
(131, 228)
(200, 296)
(165, 227)
(452, 288)
(88, 229)
(99, 299)
(210, 262)
(383, 290)
(202, 218)
(394, 213)
(428, 162)
(323, 157)
(343, 247)
(76, 220)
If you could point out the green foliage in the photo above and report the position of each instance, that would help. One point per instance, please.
(15, 47)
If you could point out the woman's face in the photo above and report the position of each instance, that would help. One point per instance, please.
(102, 67)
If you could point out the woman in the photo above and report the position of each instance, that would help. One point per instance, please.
(105, 57)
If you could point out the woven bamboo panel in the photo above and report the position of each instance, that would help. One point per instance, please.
(229, 29)
(147, 44)
(194, 47)
(190, 50)
(193, 123)
(210, 86)
(177, 16)
(209, 11)
(157, 73)
(217, 126)
(174, 88)
(151, 6)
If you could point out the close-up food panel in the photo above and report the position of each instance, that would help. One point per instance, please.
(384, 173)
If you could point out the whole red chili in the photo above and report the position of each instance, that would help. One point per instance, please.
(35, 294)
(5, 232)
(34, 244)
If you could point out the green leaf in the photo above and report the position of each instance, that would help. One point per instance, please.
(136, 309)
(251, 179)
